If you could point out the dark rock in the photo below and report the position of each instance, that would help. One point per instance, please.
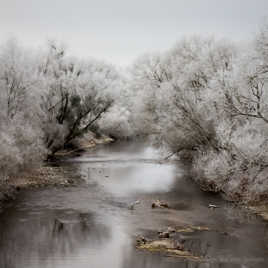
(141, 240)
(179, 246)
(160, 204)
(164, 235)
(171, 230)
(70, 181)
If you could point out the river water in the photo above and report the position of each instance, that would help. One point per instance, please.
(91, 225)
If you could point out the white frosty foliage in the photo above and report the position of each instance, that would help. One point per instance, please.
(205, 99)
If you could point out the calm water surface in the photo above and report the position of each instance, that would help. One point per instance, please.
(90, 225)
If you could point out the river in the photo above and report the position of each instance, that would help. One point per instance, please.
(91, 225)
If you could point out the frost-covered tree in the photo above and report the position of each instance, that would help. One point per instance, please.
(207, 97)
(21, 143)
(75, 95)
(48, 99)
(179, 95)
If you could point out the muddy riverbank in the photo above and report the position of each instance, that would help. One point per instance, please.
(45, 176)
(48, 173)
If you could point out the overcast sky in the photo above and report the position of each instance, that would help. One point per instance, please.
(120, 30)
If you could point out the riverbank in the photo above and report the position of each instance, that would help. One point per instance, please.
(48, 174)
(260, 210)
(39, 177)
(243, 194)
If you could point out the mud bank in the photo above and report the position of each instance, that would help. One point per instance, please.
(49, 174)
(39, 177)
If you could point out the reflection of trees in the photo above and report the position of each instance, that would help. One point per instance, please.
(55, 234)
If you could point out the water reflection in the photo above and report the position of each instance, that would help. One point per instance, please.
(28, 239)
(125, 179)
(123, 152)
